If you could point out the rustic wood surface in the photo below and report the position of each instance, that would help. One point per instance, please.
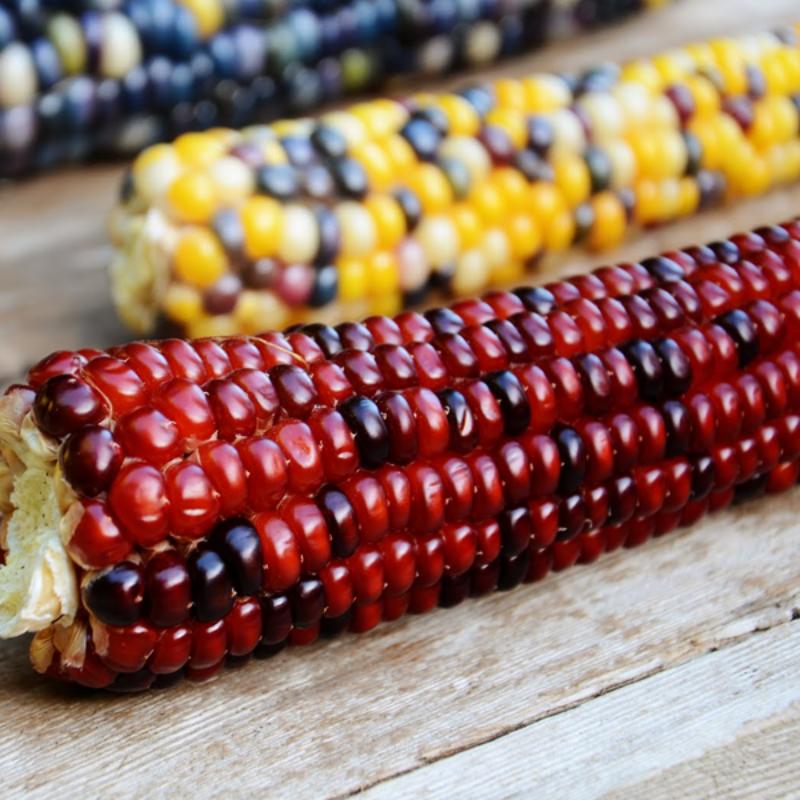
(667, 671)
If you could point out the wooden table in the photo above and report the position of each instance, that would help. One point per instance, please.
(666, 671)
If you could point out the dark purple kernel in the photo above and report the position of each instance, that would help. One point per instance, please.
(498, 144)
(221, 297)
(597, 389)
(334, 626)
(90, 458)
(678, 425)
(325, 336)
(454, 590)
(341, 520)
(572, 452)
(239, 545)
(276, 620)
(355, 336)
(647, 368)
(401, 424)
(512, 340)
(726, 252)
(329, 236)
(738, 325)
(540, 134)
(516, 530)
(260, 274)
(350, 177)
(463, 428)
(536, 298)
(328, 141)
(513, 401)
(677, 369)
(307, 601)
(115, 597)
(537, 334)
(513, 570)
(444, 320)
(212, 592)
(369, 430)
(572, 517)
(621, 499)
(64, 403)
(702, 477)
(411, 207)
(295, 389)
(664, 270)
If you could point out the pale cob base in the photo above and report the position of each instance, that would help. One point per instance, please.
(38, 581)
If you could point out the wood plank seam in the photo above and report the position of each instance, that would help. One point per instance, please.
(425, 761)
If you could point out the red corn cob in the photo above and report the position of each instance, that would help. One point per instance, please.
(222, 497)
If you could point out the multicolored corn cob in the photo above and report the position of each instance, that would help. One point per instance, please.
(391, 202)
(110, 77)
(168, 506)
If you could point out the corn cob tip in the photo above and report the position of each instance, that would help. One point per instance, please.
(38, 584)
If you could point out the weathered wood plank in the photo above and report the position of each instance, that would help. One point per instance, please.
(351, 713)
(721, 726)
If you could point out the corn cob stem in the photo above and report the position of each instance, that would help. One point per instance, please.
(170, 505)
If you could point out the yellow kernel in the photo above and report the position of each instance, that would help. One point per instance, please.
(257, 312)
(386, 305)
(198, 150)
(572, 177)
(390, 223)
(468, 225)
(299, 235)
(510, 93)
(233, 180)
(273, 153)
(400, 154)
(495, 248)
(217, 325)
(545, 93)
(524, 236)
(608, 229)
(199, 259)
(439, 239)
(487, 200)
(512, 186)
(472, 273)
(154, 171)
(210, 15)
(376, 163)
(383, 274)
(353, 279)
(192, 197)
(182, 304)
(508, 272)
(462, 118)
(470, 152)
(352, 128)
(432, 188)
(510, 121)
(359, 234)
(545, 201)
(643, 73)
(560, 232)
(689, 197)
(262, 223)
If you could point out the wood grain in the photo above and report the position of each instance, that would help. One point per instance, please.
(691, 731)
(666, 671)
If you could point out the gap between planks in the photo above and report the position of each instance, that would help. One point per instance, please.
(725, 724)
